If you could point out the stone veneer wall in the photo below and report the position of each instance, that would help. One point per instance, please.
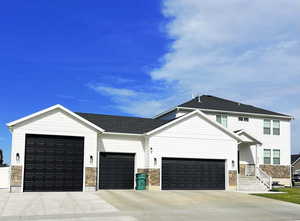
(232, 175)
(15, 178)
(153, 177)
(90, 178)
(242, 169)
(276, 171)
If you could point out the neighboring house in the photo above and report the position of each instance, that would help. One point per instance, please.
(295, 161)
(205, 143)
(4, 173)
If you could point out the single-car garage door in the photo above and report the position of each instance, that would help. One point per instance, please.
(116, 171)
(53, 163)
(193, 174)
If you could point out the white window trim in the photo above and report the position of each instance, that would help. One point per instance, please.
(272, 156)
(225, 116)
(272, 127)
(276, 149)
(267, 127)
(269, 149)
(276, 128)
(243, 119)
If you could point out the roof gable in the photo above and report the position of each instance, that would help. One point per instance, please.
(246, 137)
(52, 108)
(202, 116)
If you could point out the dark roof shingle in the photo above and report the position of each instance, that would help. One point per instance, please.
(216, 103)
(122, 124)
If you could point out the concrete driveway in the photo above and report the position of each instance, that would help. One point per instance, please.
(142, 205)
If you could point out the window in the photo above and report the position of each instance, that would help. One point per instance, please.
(267, 156)
(245, 119)
(222, 119)
(267, 127)
(276, 127)
(276, 156)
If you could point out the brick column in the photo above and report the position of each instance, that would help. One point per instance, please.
(153, 178)
(90, 179)
(232, 176)
(16, 179)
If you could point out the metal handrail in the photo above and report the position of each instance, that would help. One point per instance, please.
(264, 178)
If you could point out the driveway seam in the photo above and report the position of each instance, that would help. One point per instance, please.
(4, 205)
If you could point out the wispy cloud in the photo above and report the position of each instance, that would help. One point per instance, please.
(105, 90)
(243, 50)
(224, 47)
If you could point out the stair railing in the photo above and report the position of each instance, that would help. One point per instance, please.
(263, 177)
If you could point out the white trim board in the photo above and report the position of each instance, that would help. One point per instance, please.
(203, 116)
(57, 106)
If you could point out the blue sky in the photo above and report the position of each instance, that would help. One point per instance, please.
(140, 57)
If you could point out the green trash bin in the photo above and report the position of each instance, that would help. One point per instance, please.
(141, 181)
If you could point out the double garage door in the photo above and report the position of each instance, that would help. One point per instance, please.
(53, 163)
(193, 174)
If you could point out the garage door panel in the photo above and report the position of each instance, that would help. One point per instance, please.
(116, 171)
(49, 166)
(193, 174)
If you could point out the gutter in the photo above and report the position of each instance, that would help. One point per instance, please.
(124, 134)
(235, 112)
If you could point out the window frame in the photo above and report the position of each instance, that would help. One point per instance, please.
(222, 117)
(243, 119)
(276, 128)
(278, 158)
(269, 128)
(270, 157)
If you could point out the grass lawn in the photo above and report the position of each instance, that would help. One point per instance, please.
(291, 195)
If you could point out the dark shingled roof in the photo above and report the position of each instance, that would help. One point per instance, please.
(294, 157)
(216, 103)
(121, 124)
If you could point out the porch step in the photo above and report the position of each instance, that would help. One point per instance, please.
(251, 184)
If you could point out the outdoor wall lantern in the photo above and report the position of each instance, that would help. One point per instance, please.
(155, 161)
(151, 150)
(18, 157)
(232, 163)
(91, 159)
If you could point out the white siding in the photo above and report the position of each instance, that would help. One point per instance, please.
(247, 154)
(55, 122)
(193, 137)
(255, 128)
(124, 144)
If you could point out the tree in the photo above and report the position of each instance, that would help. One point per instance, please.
(1, 157)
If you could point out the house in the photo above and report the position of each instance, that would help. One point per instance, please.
(295, 162)
(206, 143)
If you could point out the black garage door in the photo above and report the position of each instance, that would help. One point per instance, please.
(193, 174)
(116, 171)
(53, 163)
